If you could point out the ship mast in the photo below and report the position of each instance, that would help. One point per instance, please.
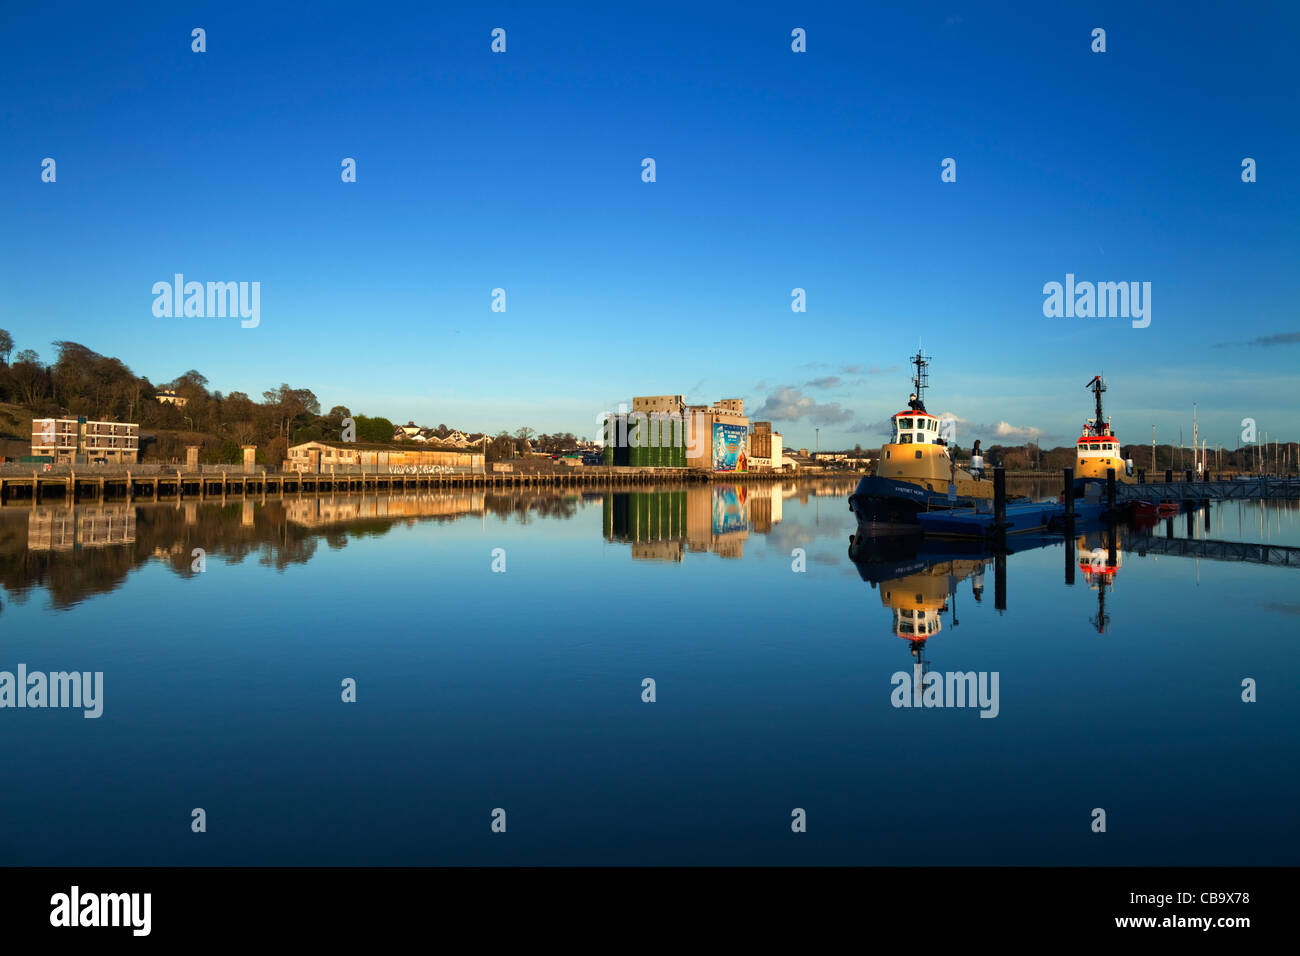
(1097, 386)
(920, 379)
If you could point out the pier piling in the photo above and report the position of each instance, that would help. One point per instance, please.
(999, 497)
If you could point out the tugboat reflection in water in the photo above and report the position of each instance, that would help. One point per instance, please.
(918, 577)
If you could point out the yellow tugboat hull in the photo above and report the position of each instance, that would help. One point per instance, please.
(930, 468)
(1092, 467)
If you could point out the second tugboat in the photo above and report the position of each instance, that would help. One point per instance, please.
(1098, 449)
(916, 471)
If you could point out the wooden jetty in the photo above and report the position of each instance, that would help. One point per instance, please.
(155, 482)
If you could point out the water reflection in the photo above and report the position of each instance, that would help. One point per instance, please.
(480, 681)
(718, 518)
(1099, 556)
(919, 578)
(75, 551)
(920, 590)
(69, 529)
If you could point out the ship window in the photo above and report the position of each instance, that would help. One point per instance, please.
(904, 423)
(886, 454)
(918, 454)
(907, 438)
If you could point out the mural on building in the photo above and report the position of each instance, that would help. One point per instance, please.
(729, 447)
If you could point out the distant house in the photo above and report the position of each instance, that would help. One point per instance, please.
(168, 396)
(407, 431)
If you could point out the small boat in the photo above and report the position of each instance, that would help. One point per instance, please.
(917, 471)
(1149, 511)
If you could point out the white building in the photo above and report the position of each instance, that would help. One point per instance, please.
(77, 440)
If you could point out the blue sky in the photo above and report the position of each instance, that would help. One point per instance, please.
(775, 170)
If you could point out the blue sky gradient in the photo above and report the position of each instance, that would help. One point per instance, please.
(775, 170)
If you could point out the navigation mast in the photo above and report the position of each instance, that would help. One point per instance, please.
(1097, 386)
(920, 379)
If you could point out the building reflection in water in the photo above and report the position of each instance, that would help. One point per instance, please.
(664, 525)
(315, 512)
(62, 528)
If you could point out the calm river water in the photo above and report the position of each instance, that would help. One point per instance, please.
(500, 645)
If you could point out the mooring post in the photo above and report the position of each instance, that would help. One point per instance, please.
(1069, 493)
(1169, 476)
(1142, 476)
(1110, 489)
(999, 497)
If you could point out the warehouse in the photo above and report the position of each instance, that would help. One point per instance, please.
(721, 437)
(316, 457)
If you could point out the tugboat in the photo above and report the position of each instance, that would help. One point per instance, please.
(1097, 449)
(916, 471)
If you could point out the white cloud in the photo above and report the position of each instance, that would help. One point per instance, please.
(788, 404)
